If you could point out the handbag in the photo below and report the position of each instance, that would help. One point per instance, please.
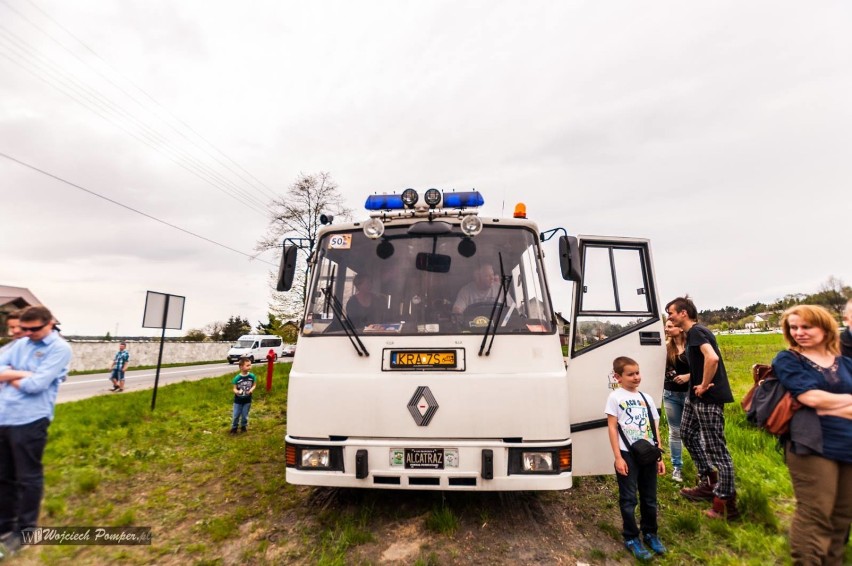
(768, 404)
(642, 451)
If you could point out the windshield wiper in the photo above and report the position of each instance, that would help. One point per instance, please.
(337, 309)
(499, 302)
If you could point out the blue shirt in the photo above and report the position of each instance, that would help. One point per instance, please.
(799, 376)
(121, 359)
(48, 360)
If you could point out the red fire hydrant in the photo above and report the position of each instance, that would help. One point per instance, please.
(270, 360)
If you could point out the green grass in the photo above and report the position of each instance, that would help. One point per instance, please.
(442, 520)
(212, 498)
(113, 462)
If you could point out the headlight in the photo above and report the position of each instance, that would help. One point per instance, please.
(537, 461)
(471, 225)
(315, 457)
(374, 228)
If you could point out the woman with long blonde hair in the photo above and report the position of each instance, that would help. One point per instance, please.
(675, 391)
(818, 451)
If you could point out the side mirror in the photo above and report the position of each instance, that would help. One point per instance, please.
(569, 258)
(287, 269)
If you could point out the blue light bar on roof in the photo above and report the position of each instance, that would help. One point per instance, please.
(465, 199)
(384, 202)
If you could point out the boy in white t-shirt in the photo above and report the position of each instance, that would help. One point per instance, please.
(634, 413)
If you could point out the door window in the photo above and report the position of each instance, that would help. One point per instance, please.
(616, 293)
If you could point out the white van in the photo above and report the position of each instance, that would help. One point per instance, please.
(255, 347)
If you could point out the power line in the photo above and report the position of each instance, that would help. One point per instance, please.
(263, 186)
(69, 82)
(93, 193)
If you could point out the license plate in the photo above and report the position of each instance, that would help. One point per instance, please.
(411, 359)
(424, 459)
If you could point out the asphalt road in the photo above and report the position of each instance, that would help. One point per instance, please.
(84, 386)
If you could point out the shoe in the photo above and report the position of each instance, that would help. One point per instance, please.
(654, 543)
(634, 545)
(10, 544)
(233, 431)
(725, 509)
(243, 429)
(114, 388)
(704, 490)
(677, 475)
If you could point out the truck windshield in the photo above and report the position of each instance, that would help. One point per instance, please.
(424, 283)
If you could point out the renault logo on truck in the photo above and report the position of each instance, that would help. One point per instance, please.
(422, 406)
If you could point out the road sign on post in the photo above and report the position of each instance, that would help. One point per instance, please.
(162, 311)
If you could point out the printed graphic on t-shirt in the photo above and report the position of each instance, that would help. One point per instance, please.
(636, 424)
(244, 385)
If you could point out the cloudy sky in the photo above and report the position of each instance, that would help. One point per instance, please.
(719, 130)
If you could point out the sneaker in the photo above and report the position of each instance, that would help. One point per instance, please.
(233, 431)
(677, 475)
(654, 543)
(10, 544)
(634, 545)
(243, 429)
(114, 388)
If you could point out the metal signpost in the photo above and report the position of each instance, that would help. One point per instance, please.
(162, 311)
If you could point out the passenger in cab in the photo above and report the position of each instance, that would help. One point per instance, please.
(365, 306)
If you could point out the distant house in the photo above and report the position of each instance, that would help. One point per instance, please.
(759, 322)
(564, 327)
(12, 299)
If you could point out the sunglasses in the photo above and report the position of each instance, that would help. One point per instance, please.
(32, 328)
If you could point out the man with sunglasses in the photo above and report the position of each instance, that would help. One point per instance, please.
(30, 374)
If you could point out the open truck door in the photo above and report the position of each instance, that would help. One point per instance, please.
(616, 313)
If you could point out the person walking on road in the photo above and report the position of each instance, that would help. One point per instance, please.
(119, 366)
(31, 371)
(702, 426)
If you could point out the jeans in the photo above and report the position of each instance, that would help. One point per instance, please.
(644, 480)
(21, 474)
(673, 402)
(241, 411)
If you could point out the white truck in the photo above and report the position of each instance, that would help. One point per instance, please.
(436, 392)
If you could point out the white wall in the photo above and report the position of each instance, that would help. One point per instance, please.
(89, 355)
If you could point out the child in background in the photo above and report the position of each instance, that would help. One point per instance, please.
(244, 384)
(628, 409)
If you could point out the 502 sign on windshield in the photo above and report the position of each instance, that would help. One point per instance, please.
(340, 242)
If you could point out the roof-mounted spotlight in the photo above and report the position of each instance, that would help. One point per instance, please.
(326, 219)
(432, 198)
(374, 228)
(471, 225)
(409, 198)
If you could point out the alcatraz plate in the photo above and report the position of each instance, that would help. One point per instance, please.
(424, 458)
(413, 359)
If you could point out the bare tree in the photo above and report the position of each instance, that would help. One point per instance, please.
(297, 215)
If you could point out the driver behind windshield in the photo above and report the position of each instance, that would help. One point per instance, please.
(484, 288)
